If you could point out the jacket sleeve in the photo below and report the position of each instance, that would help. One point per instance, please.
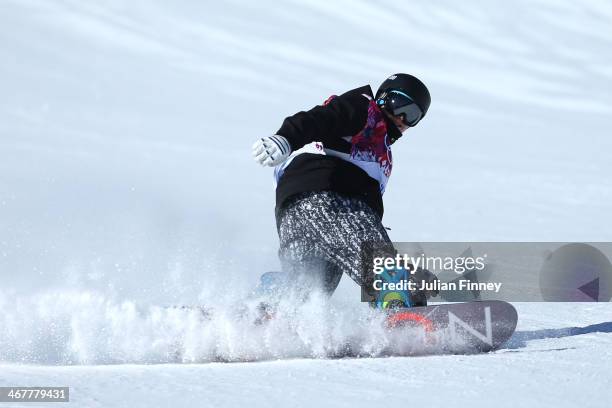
(344, 115)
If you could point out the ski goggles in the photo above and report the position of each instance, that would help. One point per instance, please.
(402, 105)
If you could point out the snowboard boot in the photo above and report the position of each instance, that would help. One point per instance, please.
(400, 296)
(267, 295)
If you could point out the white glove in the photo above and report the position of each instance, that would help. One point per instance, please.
(271, 150)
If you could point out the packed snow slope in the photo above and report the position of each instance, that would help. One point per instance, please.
(549, 363)
(126, 185)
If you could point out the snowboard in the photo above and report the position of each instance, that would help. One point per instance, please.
(456, 328)
(449, 328)
(467, 327)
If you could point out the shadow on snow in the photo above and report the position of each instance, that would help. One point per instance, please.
(520, 338)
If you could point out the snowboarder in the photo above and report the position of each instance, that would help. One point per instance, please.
(332, 164)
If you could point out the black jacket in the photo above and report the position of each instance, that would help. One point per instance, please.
(344, 115)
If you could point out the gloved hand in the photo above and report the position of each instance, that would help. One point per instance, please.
(271, 150)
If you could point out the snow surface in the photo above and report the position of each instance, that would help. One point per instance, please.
(126, 186)
(556, 358)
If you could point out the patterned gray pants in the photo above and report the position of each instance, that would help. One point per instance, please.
(321, 234)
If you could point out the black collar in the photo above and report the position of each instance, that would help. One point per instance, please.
(392, 130)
